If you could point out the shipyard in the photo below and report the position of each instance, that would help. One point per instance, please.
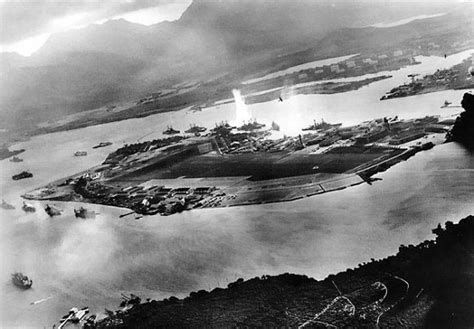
(241, 165)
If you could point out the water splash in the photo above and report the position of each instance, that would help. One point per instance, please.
(242, 113)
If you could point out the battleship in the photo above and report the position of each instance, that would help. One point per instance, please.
(102, 144)
(52, 210)
(16, 159)
(80, 153)
(5, 205)
(28, 207)
(170, 131)
(193, 129)
(22, 175)
(322, 126)
(22, 281)
(222, 128)
(250, 126)
(84, 213)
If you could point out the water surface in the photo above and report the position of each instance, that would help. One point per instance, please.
(90, 262)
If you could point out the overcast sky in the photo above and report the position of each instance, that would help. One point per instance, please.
(26, 24)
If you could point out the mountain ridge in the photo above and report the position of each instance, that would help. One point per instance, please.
(210, 38)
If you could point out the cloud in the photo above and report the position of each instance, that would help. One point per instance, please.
(24, 19)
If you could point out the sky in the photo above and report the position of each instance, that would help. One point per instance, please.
(25, 25)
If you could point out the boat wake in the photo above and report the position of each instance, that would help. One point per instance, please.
(41, 300)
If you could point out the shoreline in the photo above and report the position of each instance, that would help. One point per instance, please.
(389, 291)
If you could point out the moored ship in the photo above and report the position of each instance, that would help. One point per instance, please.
(84, 213)
(52, 210)
(28, 207)
(102, 144)
(193, 129)
(22, 175)
(251, 126)
(16, 159)
(22, 281)
(322, 125)
(170, 131)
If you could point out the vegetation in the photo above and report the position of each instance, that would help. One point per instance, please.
(463, 130)
(424, 286)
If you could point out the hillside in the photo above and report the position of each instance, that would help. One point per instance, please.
(425, 286)
(463, 129)
(119, 60)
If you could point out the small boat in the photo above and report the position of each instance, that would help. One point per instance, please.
(52, 210)
(22, 175)
(195, 108)
(5, 205)
(102, 144)
(28, 207)
(22, 281)
(80, 153)
(170, 131)
(84, 213)
(446, 104)
(16, 159)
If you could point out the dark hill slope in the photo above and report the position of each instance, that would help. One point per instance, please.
(425, 286)
(463, 129)
(85, 68)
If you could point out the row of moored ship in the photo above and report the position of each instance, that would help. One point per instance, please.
(51, 210)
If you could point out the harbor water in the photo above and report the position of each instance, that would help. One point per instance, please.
(77, 262)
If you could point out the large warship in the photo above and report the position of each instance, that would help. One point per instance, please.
(52, 210)
(28, 207)
(193, 129)
(84, 213)
(170, 131)
(16, 159)
(322, 125)
(250, 126)
(22, 175)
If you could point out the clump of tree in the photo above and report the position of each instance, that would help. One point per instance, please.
(463, 129)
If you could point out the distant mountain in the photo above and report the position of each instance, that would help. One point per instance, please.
(85, 68)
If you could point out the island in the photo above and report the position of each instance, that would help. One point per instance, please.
(234, 166)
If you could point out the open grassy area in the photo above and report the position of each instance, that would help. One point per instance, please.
(263, 166)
